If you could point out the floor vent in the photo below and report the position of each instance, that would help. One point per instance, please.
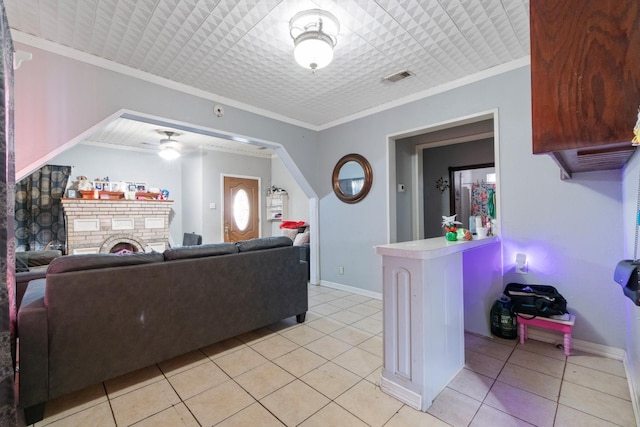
(398, 76)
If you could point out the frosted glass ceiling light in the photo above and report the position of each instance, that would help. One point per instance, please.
(169, 153)
(169, 148)
(314, 33)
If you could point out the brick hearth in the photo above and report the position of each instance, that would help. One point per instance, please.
(96, 226)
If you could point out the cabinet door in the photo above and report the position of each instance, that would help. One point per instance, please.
(585, 72)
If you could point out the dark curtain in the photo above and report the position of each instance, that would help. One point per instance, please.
(7, 249)
(39, 216)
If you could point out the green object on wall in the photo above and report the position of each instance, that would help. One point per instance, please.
(492, 203)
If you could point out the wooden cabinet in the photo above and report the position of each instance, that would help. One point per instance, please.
(585, 81)
(277, 206)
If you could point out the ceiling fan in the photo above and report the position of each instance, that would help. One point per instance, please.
(169, 148)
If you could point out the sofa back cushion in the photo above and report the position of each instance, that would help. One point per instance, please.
(37, 258)
(68, 263)
(199, 251)
(264, 243)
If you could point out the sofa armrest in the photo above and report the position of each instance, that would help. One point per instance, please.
(33, 343)
(23, 279)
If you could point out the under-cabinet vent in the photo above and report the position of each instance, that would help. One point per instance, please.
(398, 76)
(605, 157)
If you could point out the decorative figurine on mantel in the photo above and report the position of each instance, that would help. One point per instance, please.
(450, 226)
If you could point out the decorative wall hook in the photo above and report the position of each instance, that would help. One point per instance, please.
(442, 184)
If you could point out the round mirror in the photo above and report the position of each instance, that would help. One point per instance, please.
(352, 178)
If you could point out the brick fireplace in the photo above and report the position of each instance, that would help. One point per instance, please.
(104, 226)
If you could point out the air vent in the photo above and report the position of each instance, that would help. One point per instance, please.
(398, 76)
(614, 158)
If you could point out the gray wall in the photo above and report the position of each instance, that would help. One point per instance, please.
(216, 164)
(436, 163)
(570, 230)
(192, 196)
(58, 99)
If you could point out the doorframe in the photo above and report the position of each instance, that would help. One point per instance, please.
(417, 198)
(222, 199)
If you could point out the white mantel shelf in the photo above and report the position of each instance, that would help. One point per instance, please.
(423, 311)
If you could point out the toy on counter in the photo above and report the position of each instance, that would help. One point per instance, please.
(449, 224)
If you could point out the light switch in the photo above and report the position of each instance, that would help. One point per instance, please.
(212, 205)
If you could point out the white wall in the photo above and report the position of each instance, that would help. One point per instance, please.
(631, 175)
(570, 230)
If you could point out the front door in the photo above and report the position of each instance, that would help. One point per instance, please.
(241, 209)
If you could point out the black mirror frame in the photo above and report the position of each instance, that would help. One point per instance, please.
(368, 178)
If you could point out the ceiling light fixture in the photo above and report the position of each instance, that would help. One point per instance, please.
(314, 33)
(169, 148)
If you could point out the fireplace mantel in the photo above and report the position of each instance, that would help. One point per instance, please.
(97, 225)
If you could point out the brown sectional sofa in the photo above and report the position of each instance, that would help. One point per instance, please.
(95, 317)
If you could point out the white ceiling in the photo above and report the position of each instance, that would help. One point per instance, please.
(241, 49)
(136, 135)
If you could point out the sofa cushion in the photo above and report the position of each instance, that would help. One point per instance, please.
(264, 243)
(21, 266)
(301, 238)
(69, 263)
(290, 233)
(37, 258)
(200, 251)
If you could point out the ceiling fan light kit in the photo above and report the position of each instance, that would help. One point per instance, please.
(169, 148)
(169, 153)
(314, 33)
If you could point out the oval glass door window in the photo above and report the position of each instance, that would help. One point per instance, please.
(241, 209)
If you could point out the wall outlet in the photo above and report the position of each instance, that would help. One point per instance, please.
(341, 270)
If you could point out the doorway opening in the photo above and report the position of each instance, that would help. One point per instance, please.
(472, 192)
(420, 184)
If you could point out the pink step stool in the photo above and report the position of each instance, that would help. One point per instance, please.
(563, 326)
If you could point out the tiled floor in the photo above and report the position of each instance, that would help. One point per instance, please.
(326, 372)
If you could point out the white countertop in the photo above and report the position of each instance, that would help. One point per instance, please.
(432, 248)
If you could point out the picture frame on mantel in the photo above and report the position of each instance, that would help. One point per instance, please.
(141, 186)
(117, 186)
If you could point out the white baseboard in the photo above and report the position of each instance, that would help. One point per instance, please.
(353, 290)
(586, 346)
(635, 403)
(402, 394)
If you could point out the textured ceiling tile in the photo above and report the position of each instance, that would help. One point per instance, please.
(241, 49)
